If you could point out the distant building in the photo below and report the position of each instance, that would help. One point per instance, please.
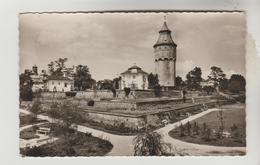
(59, 84)
(38, 80)
(134, 78)
(69, 72)
(165, 58)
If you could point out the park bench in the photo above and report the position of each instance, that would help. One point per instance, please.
(43, 131)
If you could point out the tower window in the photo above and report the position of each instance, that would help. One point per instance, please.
(133, 76)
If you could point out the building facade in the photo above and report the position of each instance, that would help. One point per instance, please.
(134, 78)
(165, 58)
(38, 80)
(59, 84)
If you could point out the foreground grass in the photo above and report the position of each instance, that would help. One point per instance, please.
(28, 133)
(233, 114)
(73, 144)
(27, 120)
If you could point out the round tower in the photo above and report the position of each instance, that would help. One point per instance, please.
(165, 58)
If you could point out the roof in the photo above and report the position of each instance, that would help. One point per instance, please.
(165, 37)
(139, 70)
(59, 78)
(165, 27)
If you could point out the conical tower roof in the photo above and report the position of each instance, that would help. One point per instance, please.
(165, 37)
(164, 28)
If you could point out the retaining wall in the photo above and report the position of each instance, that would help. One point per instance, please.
(107, 94)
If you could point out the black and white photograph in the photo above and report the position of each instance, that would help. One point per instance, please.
(132, 84)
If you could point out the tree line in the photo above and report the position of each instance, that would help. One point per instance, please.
(83, 80)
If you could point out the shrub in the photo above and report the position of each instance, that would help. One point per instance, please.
(150, 144)
(26, 93)
(182, 129)
(196, 128)
(91, 103)
(127, 92)
(70, 93)
(207, 134)
(34, 151)
(114, 92)
(35, 109)
(188, 128)
(54, 105)
(157, 90)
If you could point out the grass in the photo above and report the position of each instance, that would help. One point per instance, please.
(28, 133)
(233, 114)
(28, 119)
(79, 144)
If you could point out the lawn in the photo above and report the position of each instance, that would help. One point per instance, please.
(28, 119)
(28, 133)
(73, 144)
(232, 114)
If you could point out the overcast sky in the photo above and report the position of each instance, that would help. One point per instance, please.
(110, 43)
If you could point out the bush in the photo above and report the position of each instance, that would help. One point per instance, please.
(34, 151)
(70, 94)
(91, 103)
(157, 90)
(182, 129)
(114, 92)
(127, 91)
(241, 98)
(26, 93)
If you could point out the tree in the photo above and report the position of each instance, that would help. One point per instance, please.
(153, 81)
(204, 128)
(236, 83)
(66, 115)
(194, 79)
(196, 128)
(35, 109)
(188, 128)
(223, 84)
(114, 92)
(182, 129)
(127, 92)
(207, 134)
(105, 84)
(26, 84)
(82, 78)
(221, 124)
(55, 67)
(150, 144)
(179, 82)
(157, 90)
(208, 89)
(216, 75)
(116, 82)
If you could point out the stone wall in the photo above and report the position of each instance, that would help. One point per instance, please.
(107, 94)
(53, 95)
(141, 105)
(136, 123)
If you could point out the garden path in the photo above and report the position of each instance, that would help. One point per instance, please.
(197, 149)
(123, 145)
(43, 139)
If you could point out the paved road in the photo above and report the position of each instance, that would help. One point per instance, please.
(123, 145)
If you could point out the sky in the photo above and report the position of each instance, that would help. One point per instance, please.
(110, 43)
